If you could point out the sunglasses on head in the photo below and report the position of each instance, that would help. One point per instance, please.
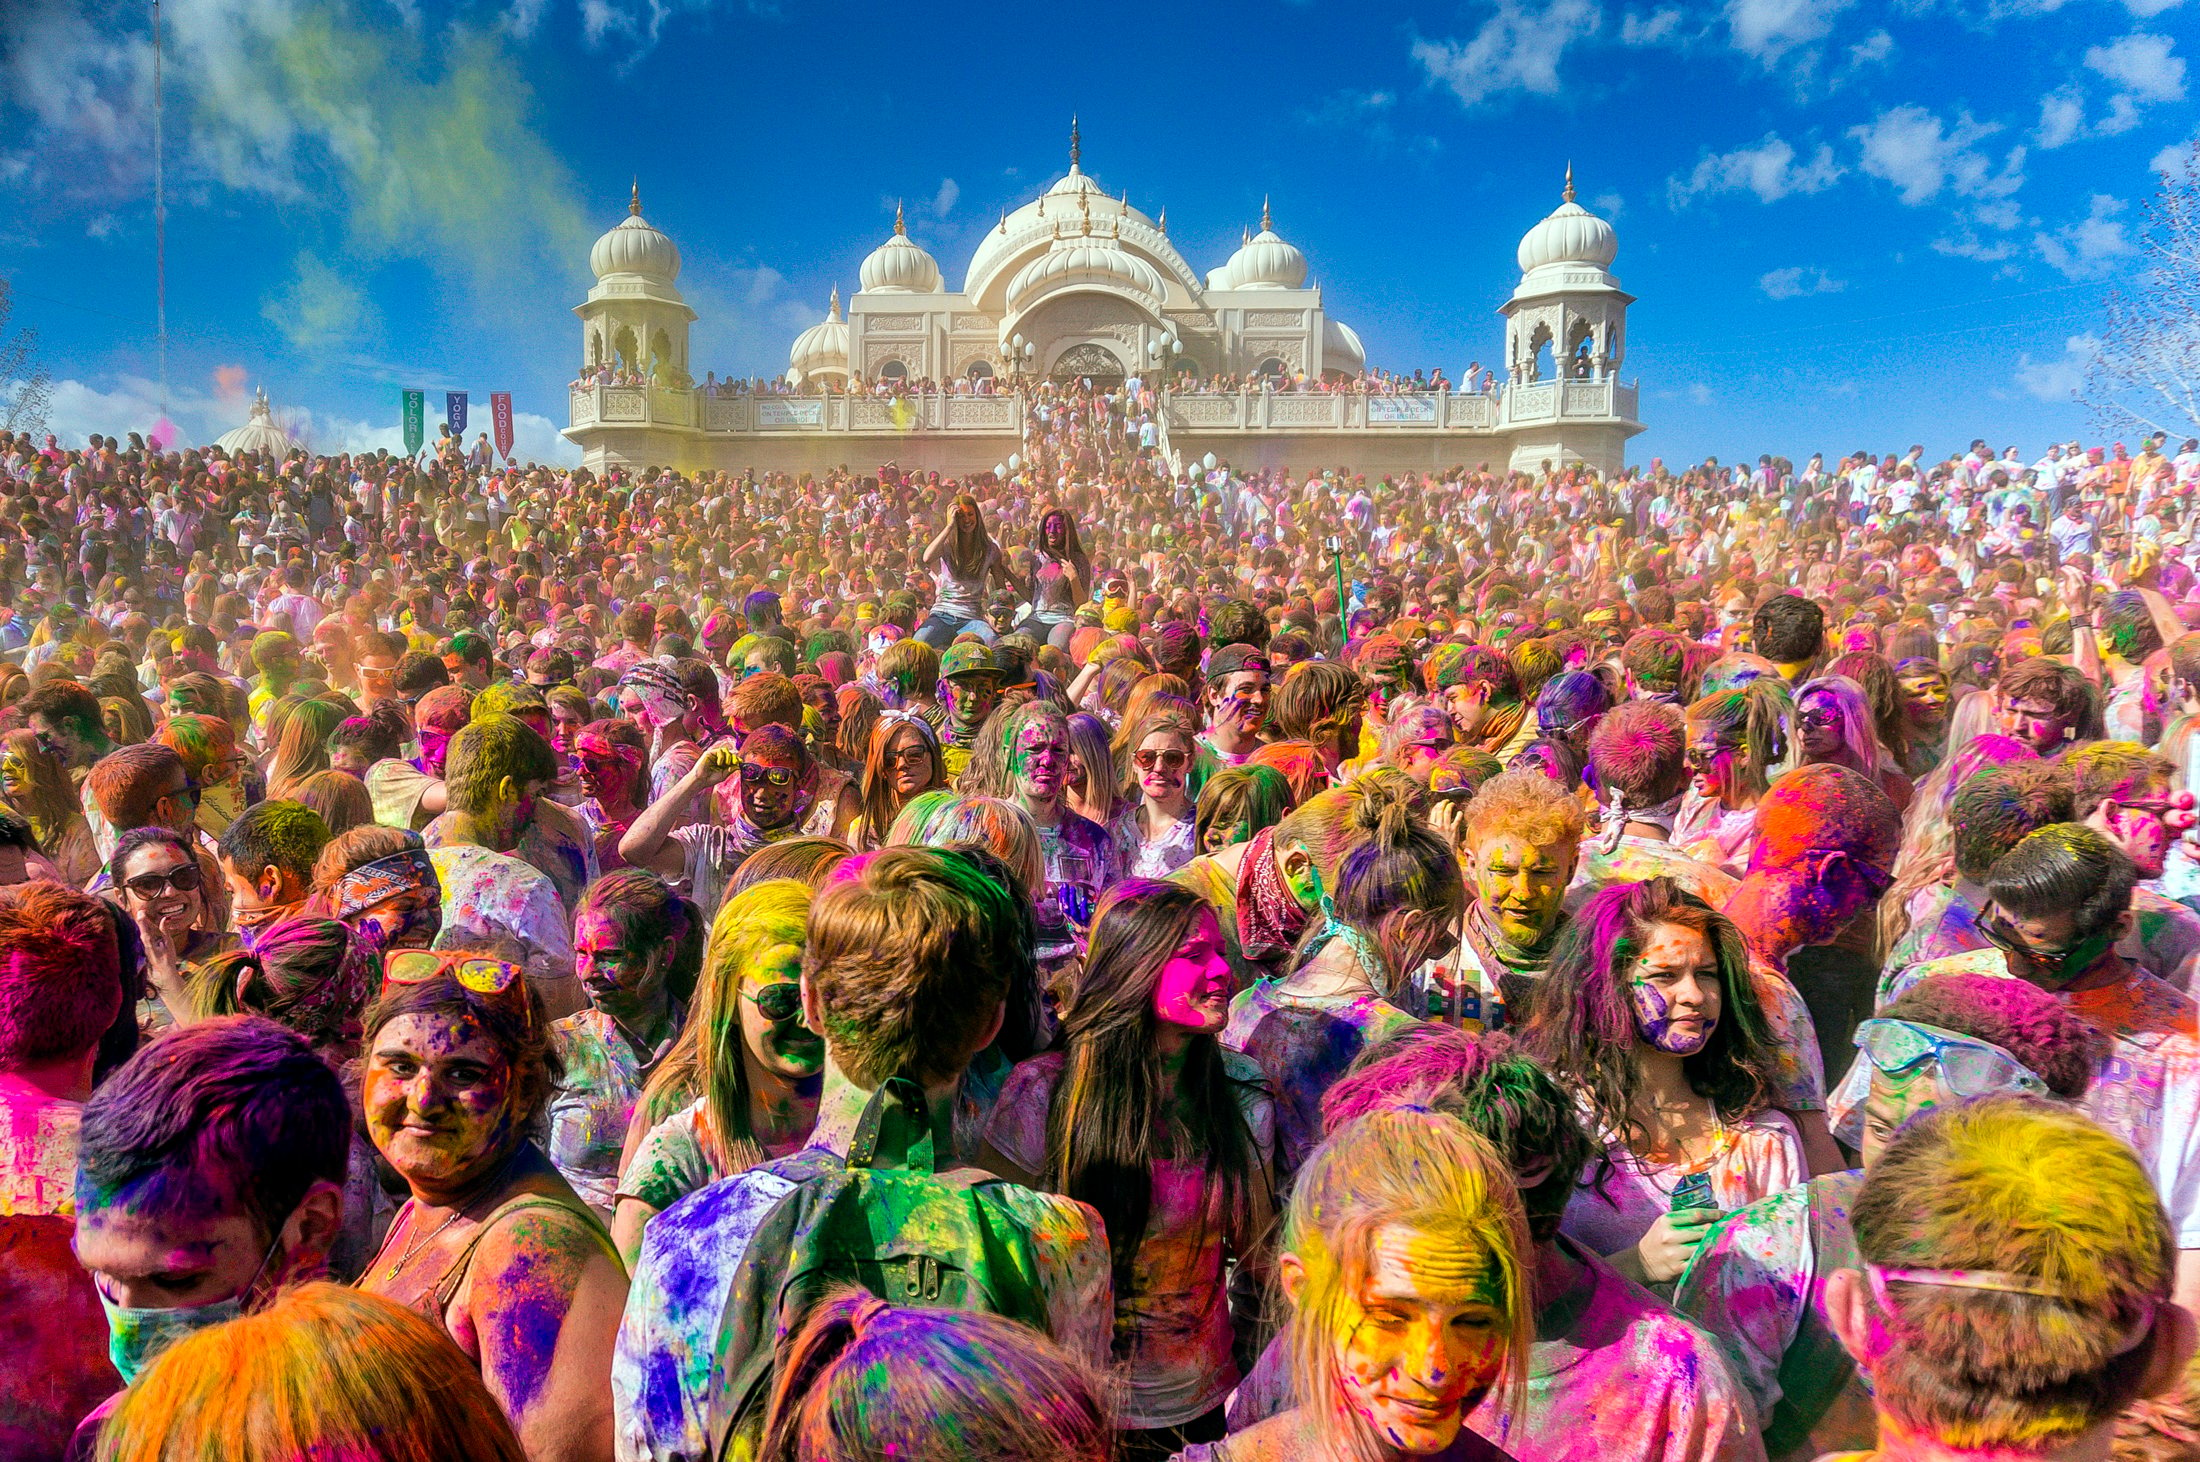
(777, 1003)
(185, 879)
(477, 972)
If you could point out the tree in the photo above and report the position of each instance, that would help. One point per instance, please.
(2146, 375)
(25, 388)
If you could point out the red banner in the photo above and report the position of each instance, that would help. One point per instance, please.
(500, 411)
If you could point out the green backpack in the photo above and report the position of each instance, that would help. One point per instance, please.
(885, 1221)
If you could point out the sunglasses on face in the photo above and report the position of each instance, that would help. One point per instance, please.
(771, 776)
(1820, 720)
(1171, 760)
(913, 756)
(777, 1003)
(183, 879)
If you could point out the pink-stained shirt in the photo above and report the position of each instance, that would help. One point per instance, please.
(1763, 1154)
(1172, 1322)
(37, 1150)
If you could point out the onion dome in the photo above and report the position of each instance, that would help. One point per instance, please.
(1264, 261)
(636, 246)
(899, 266)
(1569, 234)
(259, 434)
(823, 348)
(1341, 347)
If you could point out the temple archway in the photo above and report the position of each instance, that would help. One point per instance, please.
(1088, 361)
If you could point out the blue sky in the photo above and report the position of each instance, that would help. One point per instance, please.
(1847, 223)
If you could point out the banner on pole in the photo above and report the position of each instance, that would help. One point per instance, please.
(415, 421)
(454, 411)
(500, 414)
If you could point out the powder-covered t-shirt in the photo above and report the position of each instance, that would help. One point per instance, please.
(1302, 1045)
(1758, 1156)
(1172, 1320)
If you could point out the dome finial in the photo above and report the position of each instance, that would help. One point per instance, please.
(1164, 220)
(1076, 149)
(832, 311)
(900, 226)
(634, 202)
(1569, 182)
(1004, 220)
(1267, 219)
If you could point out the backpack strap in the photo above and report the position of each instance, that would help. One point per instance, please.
(895, 1130)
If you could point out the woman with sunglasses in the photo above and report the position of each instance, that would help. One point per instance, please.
(741, 1083)
(1834, 723)
(162, 887)
(902, 761)
(1156, 831)
(493, 1245)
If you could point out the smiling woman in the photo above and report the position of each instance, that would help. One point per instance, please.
(1145, 1116)
(493, 1246)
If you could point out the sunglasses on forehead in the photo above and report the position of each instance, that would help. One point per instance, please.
(476, 972)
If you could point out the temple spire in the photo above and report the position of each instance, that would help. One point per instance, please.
(634, 203)
(900, 227)
(1267, 219)
(1569, 182)
(1076, 150)
(832, 311)
(1164, 220)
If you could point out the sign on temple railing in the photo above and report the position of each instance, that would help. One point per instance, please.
(779, 411)
(1401, 408)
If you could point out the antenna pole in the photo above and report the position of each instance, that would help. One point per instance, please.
(160, 218)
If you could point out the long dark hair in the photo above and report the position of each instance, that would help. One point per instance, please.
(1581, 1020)
(1113, 1114)
(967, 547)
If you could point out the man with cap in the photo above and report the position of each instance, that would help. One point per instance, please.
(1235, 702)
(974, 682)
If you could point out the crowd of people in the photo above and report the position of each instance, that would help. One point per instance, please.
(1109, 960)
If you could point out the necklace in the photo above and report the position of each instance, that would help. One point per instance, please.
(489, 1185)
(417, 1245)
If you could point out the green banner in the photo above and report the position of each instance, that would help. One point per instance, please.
(415, 429)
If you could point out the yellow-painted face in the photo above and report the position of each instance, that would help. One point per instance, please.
(1521, 884)
(1424, 1339)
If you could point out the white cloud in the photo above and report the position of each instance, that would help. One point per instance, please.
(2143, 65)
(1768, 30)
(2173, 157)
(1797, 281)
(2058, 379)
(2091, 246)
(1610, 205)
(2145, 8)
(1872, 50)
(1517, 49)
(1700, 394)
(1768, 168)
(943, 202)
(1922, 156)
(1968, 245)
(1654, 29)
(2062, 117)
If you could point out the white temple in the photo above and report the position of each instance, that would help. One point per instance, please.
(1076, 284)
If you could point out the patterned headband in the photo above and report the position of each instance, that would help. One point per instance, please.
(371, 883)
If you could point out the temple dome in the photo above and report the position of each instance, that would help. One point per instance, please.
(260, 433)
(636, 246)
(824, 346)
(1341, 347)
(898, 266)
(1074, 261)
(1263, 261)
(1569, 234)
